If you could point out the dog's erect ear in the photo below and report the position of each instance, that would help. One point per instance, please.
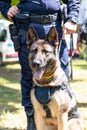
(52, 36)
(31, 36)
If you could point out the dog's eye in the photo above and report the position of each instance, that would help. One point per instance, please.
(46, 51)
(34, 51)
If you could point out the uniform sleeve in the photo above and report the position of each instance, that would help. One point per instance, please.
(4, 6)
(72, 8)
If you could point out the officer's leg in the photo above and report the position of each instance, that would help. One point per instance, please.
(63, 55)
(30, 119)
(26, 85)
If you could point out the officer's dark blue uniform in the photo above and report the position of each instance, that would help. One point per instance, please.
(39, 7)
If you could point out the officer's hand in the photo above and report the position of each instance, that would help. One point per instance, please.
(79, 46)
(69, 28)
(12, 12)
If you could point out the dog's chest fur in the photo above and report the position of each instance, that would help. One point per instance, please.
(57, 104)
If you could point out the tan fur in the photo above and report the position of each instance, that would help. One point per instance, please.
(58, 109)
(60, 103)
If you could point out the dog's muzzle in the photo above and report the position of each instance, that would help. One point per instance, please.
(38, 69)
(37, 63)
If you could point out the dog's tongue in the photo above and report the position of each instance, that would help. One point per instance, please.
(38, 73)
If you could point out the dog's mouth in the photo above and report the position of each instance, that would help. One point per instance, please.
(38, 73)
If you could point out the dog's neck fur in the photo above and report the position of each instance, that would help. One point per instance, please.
(57, 78)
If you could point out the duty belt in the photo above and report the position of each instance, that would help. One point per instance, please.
(34, 18)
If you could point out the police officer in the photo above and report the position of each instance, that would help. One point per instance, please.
(43, 14)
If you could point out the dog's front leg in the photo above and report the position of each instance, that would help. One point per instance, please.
(39, 121)
(38, 111)
(62, 121)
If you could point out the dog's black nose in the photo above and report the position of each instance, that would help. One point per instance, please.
(36, 63)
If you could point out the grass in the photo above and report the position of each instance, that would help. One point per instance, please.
(12, 115)
(79, 86)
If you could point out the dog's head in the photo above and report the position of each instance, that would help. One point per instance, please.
(43, 55)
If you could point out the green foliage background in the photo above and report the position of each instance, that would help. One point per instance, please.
(14, 2)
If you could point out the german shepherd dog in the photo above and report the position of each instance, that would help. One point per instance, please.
(54, 103)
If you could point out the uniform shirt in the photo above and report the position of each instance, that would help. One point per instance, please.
(43, 6)
(83, 12)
